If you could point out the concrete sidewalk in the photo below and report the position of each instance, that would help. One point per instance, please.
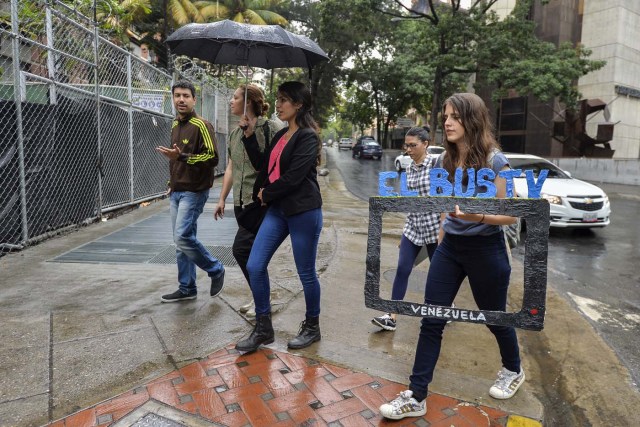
(89, 343)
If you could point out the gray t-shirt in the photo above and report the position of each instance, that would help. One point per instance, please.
(461, 227)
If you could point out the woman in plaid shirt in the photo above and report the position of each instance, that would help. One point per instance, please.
(421, 229)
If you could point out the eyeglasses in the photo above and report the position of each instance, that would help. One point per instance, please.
(407, 146)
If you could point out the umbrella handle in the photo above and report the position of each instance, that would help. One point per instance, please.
(246, 82)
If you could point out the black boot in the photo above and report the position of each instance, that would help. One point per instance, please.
(262, 334)
(308, 334)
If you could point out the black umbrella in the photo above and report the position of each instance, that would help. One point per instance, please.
(229, 42)
(233, 43)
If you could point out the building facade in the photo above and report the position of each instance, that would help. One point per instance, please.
(611, 30)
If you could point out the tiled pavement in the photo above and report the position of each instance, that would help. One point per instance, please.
(270, 388)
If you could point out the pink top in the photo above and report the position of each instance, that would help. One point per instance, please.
(274, 159)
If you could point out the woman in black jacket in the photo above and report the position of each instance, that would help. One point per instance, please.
(288, 184)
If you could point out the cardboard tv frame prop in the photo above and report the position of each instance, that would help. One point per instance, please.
(536, 214)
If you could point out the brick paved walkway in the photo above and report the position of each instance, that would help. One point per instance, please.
(270, 388)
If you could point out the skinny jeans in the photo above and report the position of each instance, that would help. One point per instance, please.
(304, 229)
(406, 257)
(484, 261)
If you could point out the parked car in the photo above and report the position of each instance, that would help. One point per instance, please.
(367, 147)
(574, 203)
(345, 144)
(403, 161)
(362, 138)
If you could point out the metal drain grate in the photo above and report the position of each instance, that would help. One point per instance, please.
(157, 414)
(155, 420)
(168, 255)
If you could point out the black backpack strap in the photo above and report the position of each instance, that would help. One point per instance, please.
(267, 131)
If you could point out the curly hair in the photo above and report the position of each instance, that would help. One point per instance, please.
(256, 99)
(478, 134)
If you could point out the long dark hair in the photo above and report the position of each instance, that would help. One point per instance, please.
(299, 93)
(478, 134)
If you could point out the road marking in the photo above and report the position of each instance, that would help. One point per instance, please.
(605, 314)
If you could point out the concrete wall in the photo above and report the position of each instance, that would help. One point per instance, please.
(503, 7)
(611, 29)
(611, 171)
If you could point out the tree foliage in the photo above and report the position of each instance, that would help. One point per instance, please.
(505, 53)
(114, 17)
(256, 12)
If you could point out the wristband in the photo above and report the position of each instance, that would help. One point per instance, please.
(481, 219)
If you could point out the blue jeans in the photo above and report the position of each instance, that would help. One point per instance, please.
(406, 257)
(304, 229)
(186, 207)
(483, 259)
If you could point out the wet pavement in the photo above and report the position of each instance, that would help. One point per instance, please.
(595, 269)
(89, 343)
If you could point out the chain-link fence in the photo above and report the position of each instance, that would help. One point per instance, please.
(80, 118)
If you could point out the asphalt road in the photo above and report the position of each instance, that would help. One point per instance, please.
(595, 269)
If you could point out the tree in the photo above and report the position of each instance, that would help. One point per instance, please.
(533, 66)
(341, 28)
(400, 74)
(474, 41)
(255, 12)
(112, 16)
(358, 108)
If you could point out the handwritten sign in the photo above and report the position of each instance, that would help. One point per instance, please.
(534, 211)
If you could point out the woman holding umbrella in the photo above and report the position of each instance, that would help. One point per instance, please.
(288, 185)
(246, 143)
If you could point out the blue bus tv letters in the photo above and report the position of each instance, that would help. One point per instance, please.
(440, 185)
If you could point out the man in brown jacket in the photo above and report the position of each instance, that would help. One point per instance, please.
(192, 158)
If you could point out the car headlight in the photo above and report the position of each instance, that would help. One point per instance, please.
(554, 200)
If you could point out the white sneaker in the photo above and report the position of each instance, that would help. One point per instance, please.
(506, 384)
(403, 406)
(244, 308)
(385, 322)
(251, 313)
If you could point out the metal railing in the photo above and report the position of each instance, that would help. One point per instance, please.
(79, 120)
